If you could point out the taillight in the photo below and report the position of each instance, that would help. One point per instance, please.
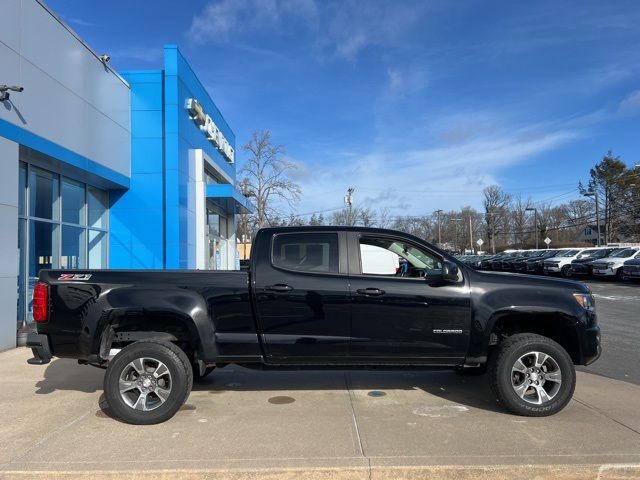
(41, 302)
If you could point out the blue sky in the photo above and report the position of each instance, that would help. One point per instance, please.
(418, 105)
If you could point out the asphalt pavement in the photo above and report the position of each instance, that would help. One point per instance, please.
(618, 307)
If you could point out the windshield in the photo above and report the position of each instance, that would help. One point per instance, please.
(627, 252)
(593, 252)
(569, 253)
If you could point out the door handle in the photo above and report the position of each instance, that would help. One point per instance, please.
(279, 287)
(374, 292)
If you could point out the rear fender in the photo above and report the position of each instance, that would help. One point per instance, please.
(127, 303)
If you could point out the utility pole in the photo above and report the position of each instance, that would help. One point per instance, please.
(439, 212)
(348, 201)
(535, 223)
(470, 233)
(594, 194)
(490, 230)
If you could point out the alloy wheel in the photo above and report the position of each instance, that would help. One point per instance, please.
(145, 384)
(536, 377)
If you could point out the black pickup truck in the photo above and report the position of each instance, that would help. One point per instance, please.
(336, 297)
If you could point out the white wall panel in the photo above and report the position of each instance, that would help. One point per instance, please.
(10, 29)
(70, 97)
(8, 242)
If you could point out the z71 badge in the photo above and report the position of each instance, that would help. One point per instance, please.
(75, 276)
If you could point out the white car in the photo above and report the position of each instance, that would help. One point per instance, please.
(561, 263)
(610, 266)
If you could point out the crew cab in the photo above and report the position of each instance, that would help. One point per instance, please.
(613, 265)
(330, 297)
(584, 264)
(631, 269)
(561, 263)
(536, 264)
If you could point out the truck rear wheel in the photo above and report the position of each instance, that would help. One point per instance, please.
(532, 375)
(147, 382)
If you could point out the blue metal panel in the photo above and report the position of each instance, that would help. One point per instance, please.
(228, 197)
(162, 136)
(137, 215)
(100, 172)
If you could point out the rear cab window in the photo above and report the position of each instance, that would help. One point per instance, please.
(306, 252)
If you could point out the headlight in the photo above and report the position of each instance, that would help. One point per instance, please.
(610, 264)
(585, 300)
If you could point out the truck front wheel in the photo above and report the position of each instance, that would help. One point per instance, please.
(147, 382)
(532, 375)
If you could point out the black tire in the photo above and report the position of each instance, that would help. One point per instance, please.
(620, 275)
(196, 373)
(503, 377)
(179, 380)
(566, 271)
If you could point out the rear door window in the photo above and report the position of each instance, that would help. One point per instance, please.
(306, 252)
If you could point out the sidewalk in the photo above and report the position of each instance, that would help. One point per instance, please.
(243, 424)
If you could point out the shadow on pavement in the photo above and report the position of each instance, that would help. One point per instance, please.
(468, 391)
(66, 374)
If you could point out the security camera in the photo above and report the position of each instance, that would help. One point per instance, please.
(105, 58)
(4, 91)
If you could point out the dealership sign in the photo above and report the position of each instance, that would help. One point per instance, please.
(210, 129)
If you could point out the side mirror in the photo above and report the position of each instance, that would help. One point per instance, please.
(449, 271)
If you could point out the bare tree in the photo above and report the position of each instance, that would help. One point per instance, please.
(265, 178)
(316, 219)
(519, 219)
(496, 203)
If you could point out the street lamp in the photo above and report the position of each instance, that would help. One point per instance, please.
(594, 194)
(439, 212)
(535, 222)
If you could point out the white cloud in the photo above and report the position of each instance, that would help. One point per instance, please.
(407, 80)
(222, 20)
(340, 29)
(417, 181)
(630, 104)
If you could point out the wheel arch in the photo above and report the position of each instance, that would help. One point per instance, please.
(558, 326)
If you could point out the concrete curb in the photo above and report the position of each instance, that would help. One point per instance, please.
(475, 472)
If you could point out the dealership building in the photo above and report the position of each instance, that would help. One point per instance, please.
(104, 169)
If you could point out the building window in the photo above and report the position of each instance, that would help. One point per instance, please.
(43, 194)
(73, 202)
(62, 224)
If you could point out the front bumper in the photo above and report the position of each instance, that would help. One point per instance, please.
(591, 347)
(631, 272)
(40, 347)
(551, 269)
(604, 272)
(580, 269)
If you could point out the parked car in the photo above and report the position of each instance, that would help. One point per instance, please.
(508, 265)
(497, 263)
(631, 269)
(583, 265)
(561, 263)
(535, 264)
(612, 266)
(475, 261)
(485, 264)
(308, 301)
